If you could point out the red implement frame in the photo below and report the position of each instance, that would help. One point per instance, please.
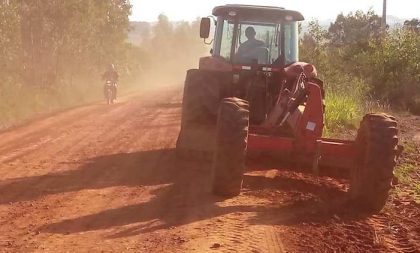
(330, 152)
(308, 141)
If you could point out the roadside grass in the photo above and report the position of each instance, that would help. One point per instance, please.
(408, 173)
(342, 114)
(344, 102)
(344, 111)
(18, 103)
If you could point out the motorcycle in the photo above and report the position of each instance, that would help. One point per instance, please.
(110, 92)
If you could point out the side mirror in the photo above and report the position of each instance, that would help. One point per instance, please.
(205, 28)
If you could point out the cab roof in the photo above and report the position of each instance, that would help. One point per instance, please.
(257, 13)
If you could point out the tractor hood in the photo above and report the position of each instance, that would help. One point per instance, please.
(264, 14)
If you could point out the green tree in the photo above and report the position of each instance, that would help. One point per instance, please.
(61, 38)
(413, 24)
(10, 41)
(393, 68)
(50, 50)
(350, 37)
(313, 46)
(355, 29)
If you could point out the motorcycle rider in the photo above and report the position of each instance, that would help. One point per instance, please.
(111, 75)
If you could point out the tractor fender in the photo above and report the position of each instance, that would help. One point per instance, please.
(216, 63)
(203, 91)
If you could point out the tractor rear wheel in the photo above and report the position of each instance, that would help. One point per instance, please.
(371, 179)
(203, 92)
(231, 145)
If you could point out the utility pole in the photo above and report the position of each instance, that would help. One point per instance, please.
(384, 16)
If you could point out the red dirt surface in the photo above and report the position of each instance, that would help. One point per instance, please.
(105, 179)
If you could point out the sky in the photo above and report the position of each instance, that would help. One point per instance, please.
(177, 10)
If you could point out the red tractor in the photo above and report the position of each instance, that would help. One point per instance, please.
(253, 96)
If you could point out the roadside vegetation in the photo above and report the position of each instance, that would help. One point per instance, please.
(365, 69)
(53, 53)
(408, 173)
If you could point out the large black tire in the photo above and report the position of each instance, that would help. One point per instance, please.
(377, 144)
(203, 92)
(231, 145)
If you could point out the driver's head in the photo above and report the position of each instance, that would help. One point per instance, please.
(250, 32)
(111, 67)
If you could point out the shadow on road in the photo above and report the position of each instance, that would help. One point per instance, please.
(184, 198)
(144, 168)
(303, 200)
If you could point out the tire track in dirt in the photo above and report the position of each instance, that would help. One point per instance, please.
(104, 203)
(241, 235)
(51, 147)
(49, 182)
(144, 141)
(68, 216)
(225, 225)
(74, 147)
(395, 236)
(106, 179)
(38, 129)
(235, 234)
(67, 122)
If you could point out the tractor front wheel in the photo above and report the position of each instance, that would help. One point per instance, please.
(231, 146)
(371, 179)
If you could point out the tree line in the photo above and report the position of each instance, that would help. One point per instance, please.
(49, 42)
(359, 58)
(52, 53)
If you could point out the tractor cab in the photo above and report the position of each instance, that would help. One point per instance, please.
(246, 35)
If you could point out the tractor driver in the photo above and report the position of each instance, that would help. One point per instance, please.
(248, 50)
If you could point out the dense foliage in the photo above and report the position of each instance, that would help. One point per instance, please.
(364, 66)
(52, 53)
(47, 42)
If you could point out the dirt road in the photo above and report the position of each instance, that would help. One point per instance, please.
(105, 179)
